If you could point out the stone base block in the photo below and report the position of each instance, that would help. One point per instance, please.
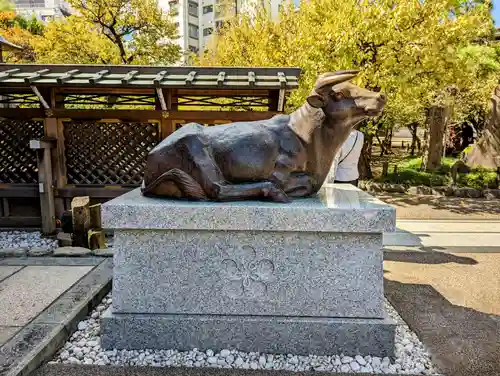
(267, 334)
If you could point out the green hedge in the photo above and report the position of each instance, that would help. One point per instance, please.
(409, 173)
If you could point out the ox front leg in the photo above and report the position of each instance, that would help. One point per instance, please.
(299, 185)
(266, 189)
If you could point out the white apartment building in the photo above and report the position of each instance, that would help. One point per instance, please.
(43, 9)
(197, 19)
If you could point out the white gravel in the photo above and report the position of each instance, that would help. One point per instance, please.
(84, 348)
(27, 240)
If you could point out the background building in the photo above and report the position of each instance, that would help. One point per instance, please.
(197, 19)
(43, 9)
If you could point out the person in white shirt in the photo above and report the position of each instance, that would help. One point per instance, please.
(345, 165)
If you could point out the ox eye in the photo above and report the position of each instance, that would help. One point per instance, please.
(338, 96)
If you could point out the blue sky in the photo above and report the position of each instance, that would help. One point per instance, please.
(496, 12)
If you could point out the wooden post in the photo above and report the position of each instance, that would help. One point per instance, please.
(80, 208)
(95, 236)
(45, 183)
(395, 169)
(54, 129)
(385, 169)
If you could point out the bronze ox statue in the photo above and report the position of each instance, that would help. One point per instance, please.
(282, 157)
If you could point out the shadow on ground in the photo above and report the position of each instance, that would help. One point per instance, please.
(457, 205)
(462, 341)
(426, 255)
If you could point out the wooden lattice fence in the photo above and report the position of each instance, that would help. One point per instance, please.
(20, 204)
(18, 163)
(103, 153)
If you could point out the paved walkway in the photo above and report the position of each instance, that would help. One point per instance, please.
(42, 300)
(460, 236)
(443, 277)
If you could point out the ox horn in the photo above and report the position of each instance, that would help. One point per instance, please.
(330, 79)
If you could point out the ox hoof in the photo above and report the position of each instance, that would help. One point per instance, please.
(278, 195)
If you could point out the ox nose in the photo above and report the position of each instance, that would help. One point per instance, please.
(381, 97)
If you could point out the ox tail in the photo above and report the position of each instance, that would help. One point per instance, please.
(174, 183)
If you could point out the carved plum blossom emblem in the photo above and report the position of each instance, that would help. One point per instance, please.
(245, 275)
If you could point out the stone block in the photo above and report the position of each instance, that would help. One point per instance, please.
(72, 252)
(467, 192)
(335, 209)
(39, 251)
(491, 194)
(394, 188)
(304, 277)
(442, 190)
(420, 190)
(267, 334)
(250, 272)
(13, 252)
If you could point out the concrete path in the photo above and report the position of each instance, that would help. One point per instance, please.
(42, 301)
(459, 235)
(448, 291)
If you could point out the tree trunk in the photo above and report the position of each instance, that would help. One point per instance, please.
(485, 151)
(415, 140)
(365, 170)
(437, 117)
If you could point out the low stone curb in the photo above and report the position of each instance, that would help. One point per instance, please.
(38, 342)
(465, 192)
(24, 252)
(93, 370)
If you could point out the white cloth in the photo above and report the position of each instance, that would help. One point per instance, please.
(346, 161)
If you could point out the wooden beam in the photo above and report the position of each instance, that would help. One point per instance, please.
(40, 97)
(146, 115)
(93, 192)
(35, 76)
(45, 188)
(67, 76)
(129, 77)
(9, 72)
(220, 79)
(20, 222)
(159, 93)
(159, 78)
(19, 190)
(43, 143)
(190, 78)
(99, 75)
(21, 113)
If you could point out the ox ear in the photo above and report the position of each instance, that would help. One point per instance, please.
(316, 100)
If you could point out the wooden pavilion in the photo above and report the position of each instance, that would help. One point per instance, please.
(85, 130)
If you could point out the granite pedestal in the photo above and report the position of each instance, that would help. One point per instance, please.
(304, 277)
